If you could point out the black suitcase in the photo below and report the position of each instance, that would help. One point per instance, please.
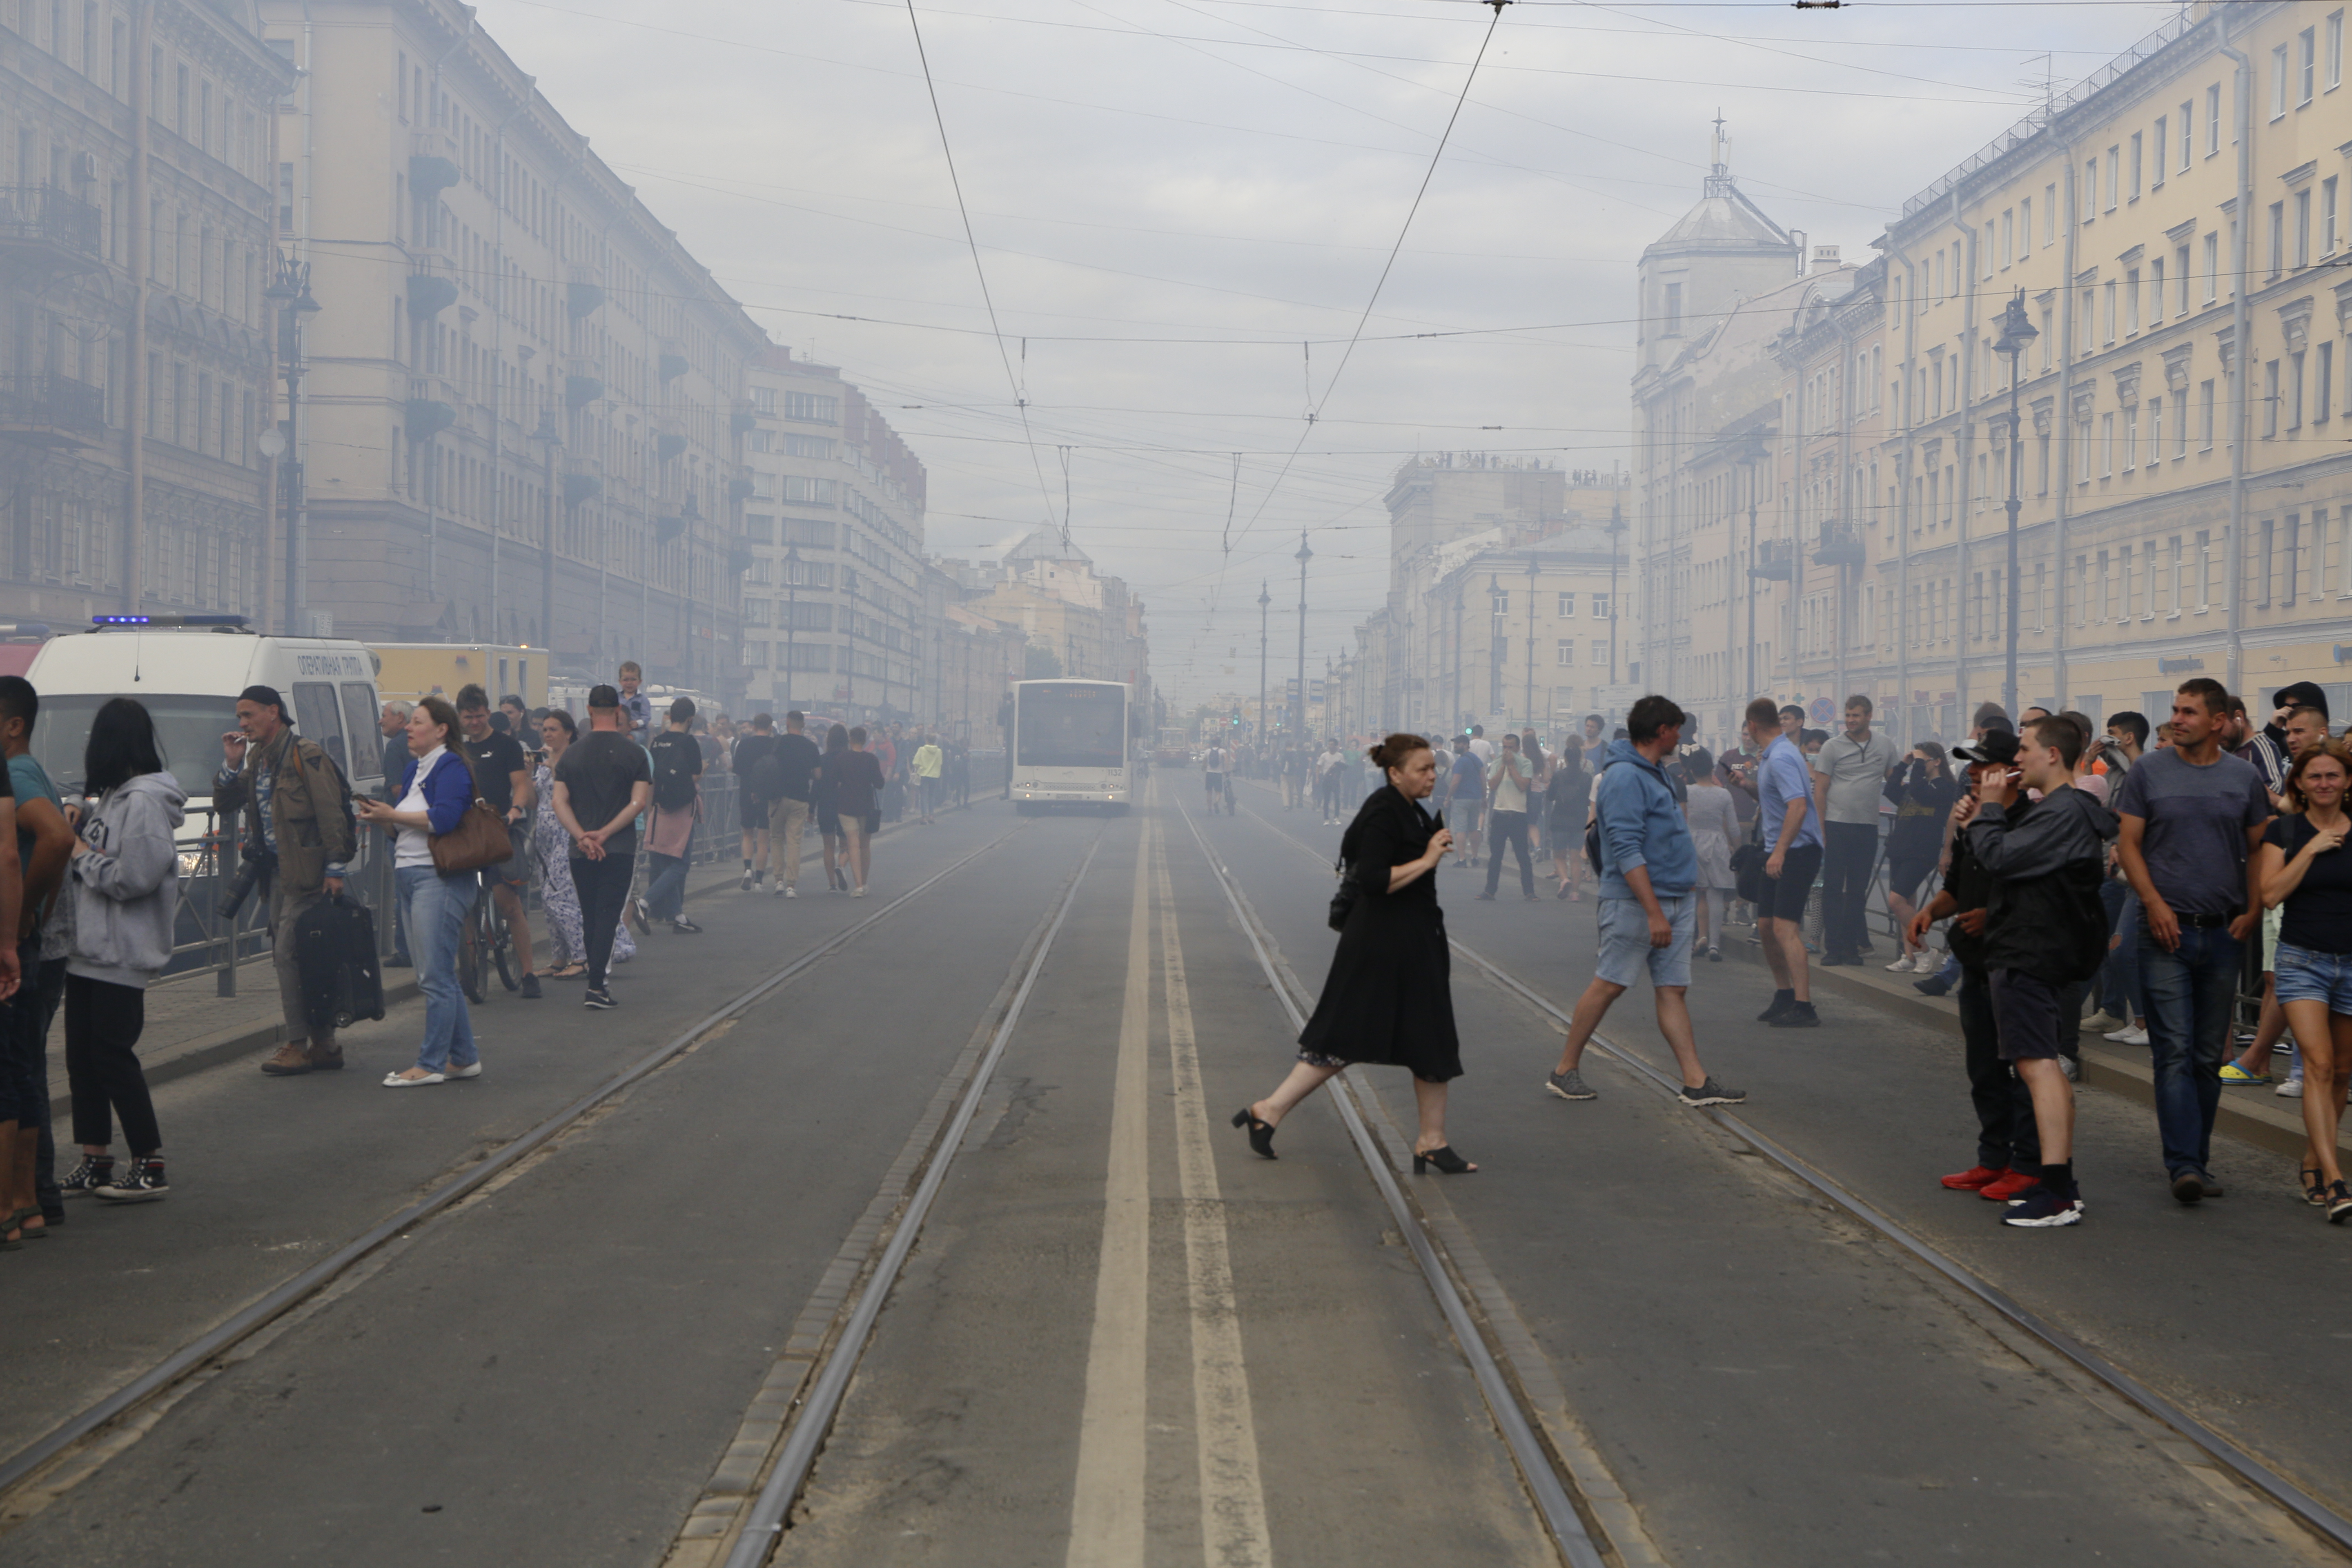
(334, 954)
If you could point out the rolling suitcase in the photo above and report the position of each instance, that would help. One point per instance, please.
(334, 951)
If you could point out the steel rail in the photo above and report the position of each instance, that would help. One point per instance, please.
(1565, 1525)
(2330, 1526)
(763, 1526)
(289, 1294)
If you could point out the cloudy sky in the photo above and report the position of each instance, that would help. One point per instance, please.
(1181, 209)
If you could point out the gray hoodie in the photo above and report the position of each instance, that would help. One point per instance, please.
(126, 889)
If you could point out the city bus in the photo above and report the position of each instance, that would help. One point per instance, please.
(1069, 744)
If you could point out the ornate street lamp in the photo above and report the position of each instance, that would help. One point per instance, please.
(2016, 332)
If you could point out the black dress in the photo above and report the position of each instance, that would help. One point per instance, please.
(1388, 999)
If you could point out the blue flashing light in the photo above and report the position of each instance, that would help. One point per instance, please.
(174, 618)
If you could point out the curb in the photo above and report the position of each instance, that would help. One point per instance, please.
(2258, 1120)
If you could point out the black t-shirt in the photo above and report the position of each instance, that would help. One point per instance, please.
(496, 758)
(2318, 914)
(749, 751)
(598, 772)
(796, 756)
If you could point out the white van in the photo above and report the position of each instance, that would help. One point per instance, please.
(187, 670)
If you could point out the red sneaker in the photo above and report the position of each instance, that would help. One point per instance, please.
(1976, 1178)
(2016, 1183)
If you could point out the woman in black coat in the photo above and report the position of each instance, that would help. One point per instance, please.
(1386, 1000)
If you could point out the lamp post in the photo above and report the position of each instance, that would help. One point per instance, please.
(290, 290)
(1528, 700)
(2016, 332)
(1298, 720)
(1751, 456)
(1497, 597)
(1265, 599)
(791, 613)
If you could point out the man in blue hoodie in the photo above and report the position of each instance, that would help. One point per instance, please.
(1649, 867)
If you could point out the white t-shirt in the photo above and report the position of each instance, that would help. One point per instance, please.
(1509, 794)
(1216, 760)
(413, 846)
(1485, 749)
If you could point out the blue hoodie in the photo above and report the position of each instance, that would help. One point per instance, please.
(1641, 825)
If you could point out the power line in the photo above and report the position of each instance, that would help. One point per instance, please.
(956, 182)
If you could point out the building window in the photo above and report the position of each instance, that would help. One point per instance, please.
(2154, 429)
(2205, 416)
(2278, 237)
(2294, 391)
(1601, 650)
(2306, 66)
(2323, 383)
(1600, 607)
(2049, 216)
(2212, 266)
(2156, 291)
(2107, 446)
(1567, 610)
(2131, 302)
(2303, 228)
(2278, 82)
(2135, 156)
(2131, 436)
(1564, 652)
(2008, 238)
(2270, 399)
(2156, 167)
(1673, 310)
(2090, 190)
(816, 407)
(2110, 298)
(2115, 176)
(2025, 228)
(2212, 119)
(2327, 216)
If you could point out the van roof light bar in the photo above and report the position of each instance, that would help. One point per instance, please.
(170, 619)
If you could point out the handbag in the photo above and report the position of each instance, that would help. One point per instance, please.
(1343, 898)
(479, 840)
(1747, 861)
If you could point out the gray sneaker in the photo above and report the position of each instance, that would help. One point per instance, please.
(1570, 1085)
(1711, 1093)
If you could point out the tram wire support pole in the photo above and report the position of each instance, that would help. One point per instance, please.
(2016, 332)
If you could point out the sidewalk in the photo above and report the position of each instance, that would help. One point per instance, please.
(189, 1028)
(2255, 1115)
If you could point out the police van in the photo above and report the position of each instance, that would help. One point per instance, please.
(186, 670)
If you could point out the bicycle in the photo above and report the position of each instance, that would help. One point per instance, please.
(485, 932)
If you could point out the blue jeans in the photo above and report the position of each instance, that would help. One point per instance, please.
(2120, 990)
(2190, 994)
(435, 908)
(666, 894)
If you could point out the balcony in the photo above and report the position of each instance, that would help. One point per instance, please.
(47, 234)
(1776, 561)
(1839, 546)
(51, 410)
(584, 480)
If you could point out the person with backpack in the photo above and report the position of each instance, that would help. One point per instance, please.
(754, 762)
(855, 777)
(2045, 931)
(299, 828)
(1649, 872)
(677, 759)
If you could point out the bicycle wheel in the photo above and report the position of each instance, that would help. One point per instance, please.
(501, 944)
(469, 959)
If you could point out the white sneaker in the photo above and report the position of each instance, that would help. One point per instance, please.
(2292, 1088)
(1901, 965)
(2129, 1037)
(790, 892)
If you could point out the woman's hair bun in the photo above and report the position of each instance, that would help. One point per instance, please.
(1392, 751)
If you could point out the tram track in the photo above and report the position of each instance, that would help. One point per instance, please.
(2326, 1524)
(40, 1459)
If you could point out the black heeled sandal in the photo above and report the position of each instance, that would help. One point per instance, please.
(1261, 1134)
(1444, 1157)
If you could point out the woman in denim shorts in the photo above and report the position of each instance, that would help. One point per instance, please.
(2306, 874)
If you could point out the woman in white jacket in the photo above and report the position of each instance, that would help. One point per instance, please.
(123, 882)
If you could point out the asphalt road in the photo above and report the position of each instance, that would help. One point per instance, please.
(1121, 1338)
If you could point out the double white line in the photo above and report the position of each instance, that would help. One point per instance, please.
(1107, 1514)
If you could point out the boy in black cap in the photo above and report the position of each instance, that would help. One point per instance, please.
(2044, 931)
(2009, 1156)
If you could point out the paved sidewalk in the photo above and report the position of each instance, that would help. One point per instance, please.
(191, 1027)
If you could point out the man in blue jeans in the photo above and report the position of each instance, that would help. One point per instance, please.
(2192, 817)
(1649, 868)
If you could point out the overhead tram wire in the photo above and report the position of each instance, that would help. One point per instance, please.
(1403, 229)
(955, 181)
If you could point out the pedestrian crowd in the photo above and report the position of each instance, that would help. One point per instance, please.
(2156, 879)
(592, 817)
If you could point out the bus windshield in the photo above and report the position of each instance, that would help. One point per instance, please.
(187, 727)
(1072, 727)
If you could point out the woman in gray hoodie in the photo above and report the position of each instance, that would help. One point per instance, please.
(123, 881)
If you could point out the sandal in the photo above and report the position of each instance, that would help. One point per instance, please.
(2314, 1189)
(1444, 1157)
(1261, 1134)
(568, 972)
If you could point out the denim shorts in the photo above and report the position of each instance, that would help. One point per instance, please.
(1625, 950)
(2308, 976)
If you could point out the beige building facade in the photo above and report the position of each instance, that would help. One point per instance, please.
(2173, 233)
(524, 404)
(135, 352)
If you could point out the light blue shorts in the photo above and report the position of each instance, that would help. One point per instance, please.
(1625, 950)
(2308, 976)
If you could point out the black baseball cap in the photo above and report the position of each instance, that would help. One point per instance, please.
(2303, 694)
(1995, 746)
(604, 697)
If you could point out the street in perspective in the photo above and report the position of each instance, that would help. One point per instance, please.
(1451, 782)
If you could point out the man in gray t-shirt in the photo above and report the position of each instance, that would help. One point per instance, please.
(2192, 817)
(1849, 772)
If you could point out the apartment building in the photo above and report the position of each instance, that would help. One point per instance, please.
(1465, 529)
(135, 357)
(2181, 503)
(523, 402)
(1078, 622)
(839, 604)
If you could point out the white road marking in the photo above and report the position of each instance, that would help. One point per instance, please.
(1107, 1513)
(1233, 1500)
